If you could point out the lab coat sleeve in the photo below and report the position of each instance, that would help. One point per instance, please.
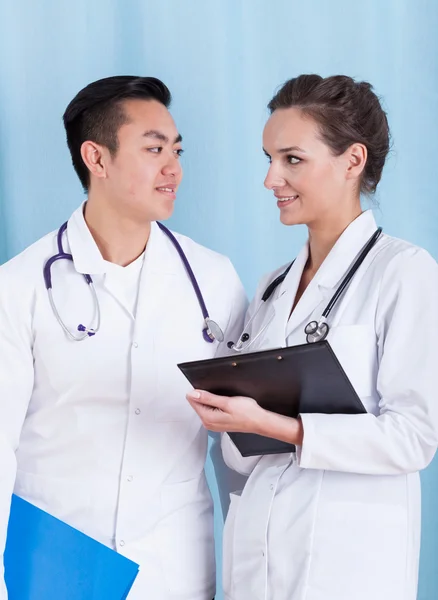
(403, 438)
(229, 480)
(238, 304)
(232, 457)
(16, 383)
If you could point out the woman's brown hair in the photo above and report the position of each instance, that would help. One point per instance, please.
(347, 112)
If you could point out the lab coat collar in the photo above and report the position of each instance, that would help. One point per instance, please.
(283, 300)
(86, 255)
(340, 258)
(346, 250)
(161, 255)
(329, 275)
(88, 259)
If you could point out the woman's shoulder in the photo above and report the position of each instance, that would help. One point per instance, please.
(406, 276)
(268, 278)
(394, 256)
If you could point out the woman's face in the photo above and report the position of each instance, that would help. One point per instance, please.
(310, 183)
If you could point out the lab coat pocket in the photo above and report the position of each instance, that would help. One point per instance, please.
(228, 544)
(356, 349)
(65, 499)
(171, 403)
(360, 551)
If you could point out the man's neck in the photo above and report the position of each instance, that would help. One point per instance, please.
(120, 239)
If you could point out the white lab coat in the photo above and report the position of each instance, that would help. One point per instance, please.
(98, 432)
(340, 519)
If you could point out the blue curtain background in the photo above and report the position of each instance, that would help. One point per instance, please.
(222, 60)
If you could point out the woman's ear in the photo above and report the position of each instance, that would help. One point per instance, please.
(356, 155)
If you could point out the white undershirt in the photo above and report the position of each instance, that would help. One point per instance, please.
(127, 280)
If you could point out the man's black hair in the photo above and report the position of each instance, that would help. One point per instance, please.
(96, 114)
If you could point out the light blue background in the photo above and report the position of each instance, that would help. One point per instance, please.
(222, 60)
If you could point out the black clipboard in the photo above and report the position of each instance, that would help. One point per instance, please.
(289, 381)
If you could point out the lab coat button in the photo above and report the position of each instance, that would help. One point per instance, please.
(137, 411)
(271, 486)
(130, 478)
(122, 543)
(135, 344)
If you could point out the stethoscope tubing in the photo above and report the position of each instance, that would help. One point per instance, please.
(316, 331)
(211, 330)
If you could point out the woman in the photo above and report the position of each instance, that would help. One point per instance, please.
(340, 518)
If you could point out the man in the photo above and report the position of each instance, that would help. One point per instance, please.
(94, 426)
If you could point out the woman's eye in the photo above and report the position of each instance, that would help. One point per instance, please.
(293, 160)
(179, 152)
(156, 150)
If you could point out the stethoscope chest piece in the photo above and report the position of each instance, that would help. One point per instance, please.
(213, 331)
(316, 332)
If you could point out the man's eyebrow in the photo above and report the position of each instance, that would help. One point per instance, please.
(158, 135)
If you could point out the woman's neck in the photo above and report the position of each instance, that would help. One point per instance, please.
(324, 235)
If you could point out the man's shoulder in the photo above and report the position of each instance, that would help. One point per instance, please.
(28, 265)
(202, 255)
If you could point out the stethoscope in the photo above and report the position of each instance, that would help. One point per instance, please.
(210, 332)
(316, 331)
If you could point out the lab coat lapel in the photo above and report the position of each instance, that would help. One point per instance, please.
(346, 250)
(88, 259)
(312, 296)
(283, 300)
(330, 274)
(157, 276)
(157, 283)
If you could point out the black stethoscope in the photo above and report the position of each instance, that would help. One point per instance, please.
(316, 331)
(210, 332)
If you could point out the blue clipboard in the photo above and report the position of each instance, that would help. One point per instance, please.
(46, 559)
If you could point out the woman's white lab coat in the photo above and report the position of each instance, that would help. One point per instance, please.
(340, 519)
(99, 433)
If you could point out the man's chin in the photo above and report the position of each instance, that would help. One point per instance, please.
(158, 212)
(164, 213)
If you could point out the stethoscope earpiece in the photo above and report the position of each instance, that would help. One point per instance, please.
(89, 332)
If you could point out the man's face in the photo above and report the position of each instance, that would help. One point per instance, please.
(144, 174)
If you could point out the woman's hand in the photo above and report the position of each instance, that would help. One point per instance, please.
(238, 413)
(221, 413)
